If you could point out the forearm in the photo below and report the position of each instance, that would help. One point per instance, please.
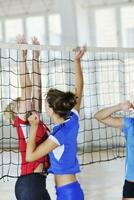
(106, 112)
(36, 74)
(78, 78)
(31, 144)
(24, 73)
(36, 79)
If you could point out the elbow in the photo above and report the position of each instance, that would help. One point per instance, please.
(96, 116)
(99, 117)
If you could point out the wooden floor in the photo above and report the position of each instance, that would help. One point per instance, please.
(99, 181)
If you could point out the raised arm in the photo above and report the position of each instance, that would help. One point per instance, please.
(106, 115)
(36, 78)
(78, 77)
(25, 82)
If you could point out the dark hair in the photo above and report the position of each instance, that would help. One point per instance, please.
(61, 102)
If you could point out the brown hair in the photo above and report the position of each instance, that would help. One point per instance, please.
(61, 102)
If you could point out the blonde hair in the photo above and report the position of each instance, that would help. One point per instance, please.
(11, 108)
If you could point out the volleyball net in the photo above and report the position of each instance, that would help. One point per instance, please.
(108, 79)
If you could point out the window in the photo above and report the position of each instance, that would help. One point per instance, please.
(106, 33)
(13, 27)
(0, 32)
(54, 26)
(35, 26)
(127, 20)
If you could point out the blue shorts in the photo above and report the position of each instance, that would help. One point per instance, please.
(71, 191)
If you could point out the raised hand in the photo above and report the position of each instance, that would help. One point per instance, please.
(79, 53)
(36, 53)
(20, 39)
(127, 106)
(34, 119)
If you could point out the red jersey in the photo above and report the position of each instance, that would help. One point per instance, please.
(23, 130)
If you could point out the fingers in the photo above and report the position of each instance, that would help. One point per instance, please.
(83, 48)
(127, 106)
(34, 118)
(131, 107)
(130, 104)
(79, 52)
(36, 53)
(35, 41)
(20, 39)
(82, 51)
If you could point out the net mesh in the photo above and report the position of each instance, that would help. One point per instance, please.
(108, 80)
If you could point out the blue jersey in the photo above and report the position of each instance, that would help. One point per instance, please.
(129, 135)
(63, 159)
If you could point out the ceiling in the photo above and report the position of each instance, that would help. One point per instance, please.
(93, 3)
(12, 7)
(25, 7)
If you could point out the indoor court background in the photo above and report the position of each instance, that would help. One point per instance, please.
(107, 28)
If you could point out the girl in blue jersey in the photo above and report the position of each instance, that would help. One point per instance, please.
(127, 124)
(63, 109)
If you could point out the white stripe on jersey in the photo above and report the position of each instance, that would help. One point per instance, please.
(25, 130)
(58, 152)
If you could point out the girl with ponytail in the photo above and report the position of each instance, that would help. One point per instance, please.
(63, 108)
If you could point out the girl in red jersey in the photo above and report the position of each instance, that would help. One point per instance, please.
(31, 185)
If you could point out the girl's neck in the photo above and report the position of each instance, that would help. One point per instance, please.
(58, 120)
